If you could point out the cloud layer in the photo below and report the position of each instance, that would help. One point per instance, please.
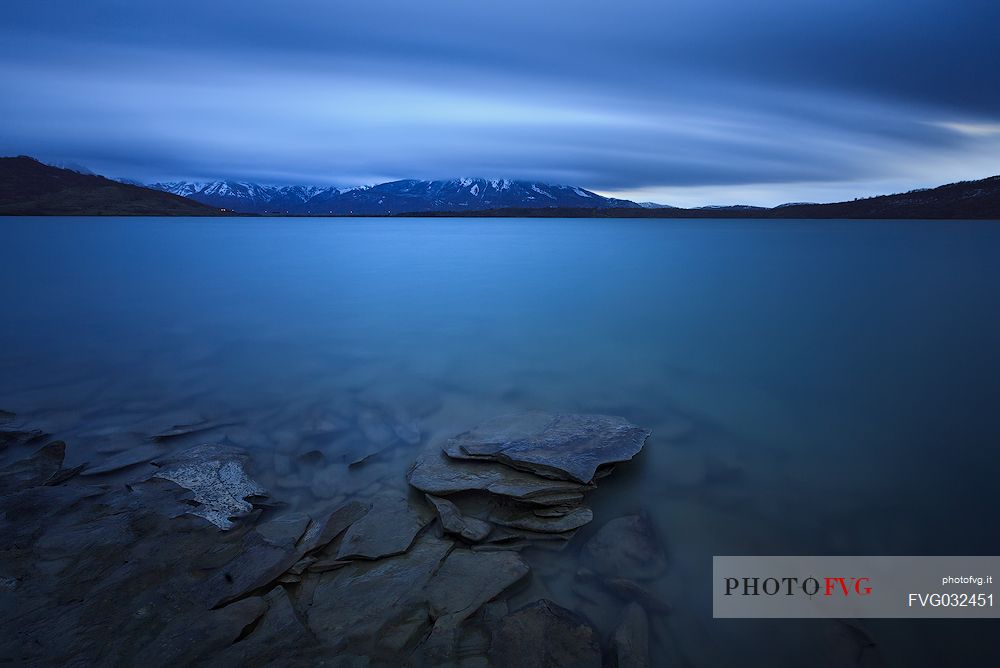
(682, 101)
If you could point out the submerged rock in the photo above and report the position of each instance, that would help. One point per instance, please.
(565, 446)
(122, 460)
(194, 427)
(42, 467)
(376, 428)
(454, 522)
(627, 590)
(10, 436)
(545, 635)
(216, 476)
(626, 547)
(630, 642)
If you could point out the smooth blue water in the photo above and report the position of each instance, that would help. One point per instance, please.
(814, 387)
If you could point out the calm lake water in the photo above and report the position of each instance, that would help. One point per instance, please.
(813, 387)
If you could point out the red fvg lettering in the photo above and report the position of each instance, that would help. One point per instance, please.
(845, 586)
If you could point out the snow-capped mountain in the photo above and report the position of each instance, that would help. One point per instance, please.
(242, 196)
(465, 194)
(407, 196)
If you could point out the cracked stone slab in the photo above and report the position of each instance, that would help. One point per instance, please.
(217, 479)
(324, 530)
(387, 529)
(279, 638)
(545, 635)
(566, 446)
(465, 582)
(368, 603)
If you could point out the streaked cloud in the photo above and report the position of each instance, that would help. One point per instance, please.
(762, 102)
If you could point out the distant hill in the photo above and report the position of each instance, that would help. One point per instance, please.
(31, 188)
(406, 196)
(964, 200)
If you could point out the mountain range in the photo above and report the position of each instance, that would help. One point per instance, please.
(406, 196)
(29, 187)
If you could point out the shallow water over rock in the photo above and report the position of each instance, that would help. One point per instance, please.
(338, 353)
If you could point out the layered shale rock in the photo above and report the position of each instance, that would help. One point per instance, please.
(436, 473)
(534, 468)
(564, 446)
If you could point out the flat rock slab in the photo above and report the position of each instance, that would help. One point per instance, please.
(359, 605)
(387, 529)
(216, 476)
(194, 427)
(435, 473)
(565, 446)
(42, 467)
(454, 522)
(626, 547)
(284, 531)
(122, 460)
(11, 436)
(326, 528)
(259, 563)
(467, 580)
(545, 635)
(279, 638)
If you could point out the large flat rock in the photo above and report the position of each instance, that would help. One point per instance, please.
(565, 446)
(387, 529)
(369, 603)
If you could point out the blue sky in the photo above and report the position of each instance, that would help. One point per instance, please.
(685, 102)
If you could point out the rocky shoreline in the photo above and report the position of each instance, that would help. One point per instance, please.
(191, 560)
